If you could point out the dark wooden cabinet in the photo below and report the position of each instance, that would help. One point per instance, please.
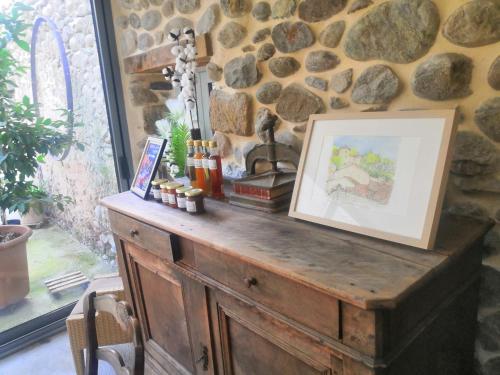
(241, 293)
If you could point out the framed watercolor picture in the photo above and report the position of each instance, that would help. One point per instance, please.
(148, 165)
(381, 174)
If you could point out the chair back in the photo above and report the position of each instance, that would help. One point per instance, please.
(122, 313)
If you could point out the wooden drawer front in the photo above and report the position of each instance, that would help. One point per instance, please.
(160, 243)
(295, 301)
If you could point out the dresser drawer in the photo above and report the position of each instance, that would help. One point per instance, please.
(305, 305)
(158, 242)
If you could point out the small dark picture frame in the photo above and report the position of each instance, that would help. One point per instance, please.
(148, 165)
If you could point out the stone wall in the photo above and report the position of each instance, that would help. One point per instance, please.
(85, 176)
(299, 57)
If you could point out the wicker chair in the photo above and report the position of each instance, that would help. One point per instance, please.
(132, 363)
(108, 330)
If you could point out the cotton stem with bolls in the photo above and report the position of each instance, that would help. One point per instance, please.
(183, 75)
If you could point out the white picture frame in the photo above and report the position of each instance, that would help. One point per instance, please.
(381, 174)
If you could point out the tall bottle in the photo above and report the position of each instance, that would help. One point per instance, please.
(215, 165)
(190, 170)
(199, 182)
(206, 168)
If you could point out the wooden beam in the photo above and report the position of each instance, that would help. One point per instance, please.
(153, 61)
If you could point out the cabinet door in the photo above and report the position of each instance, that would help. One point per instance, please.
(250, 342)
(173, 313)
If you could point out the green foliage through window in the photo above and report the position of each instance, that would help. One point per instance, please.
(25, 137)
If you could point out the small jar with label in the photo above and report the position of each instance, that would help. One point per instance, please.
(164, 193)
(194, 201)
(171, 193)
(155, 188)
(181, 197)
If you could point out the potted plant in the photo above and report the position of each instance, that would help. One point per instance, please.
(25, 140)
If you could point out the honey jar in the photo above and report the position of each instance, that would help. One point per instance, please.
(194, 201)
(171, 193)
(181, 197)
(155, 188)
(164, 193)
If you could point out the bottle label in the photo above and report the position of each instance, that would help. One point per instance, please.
(164, 197)
(171, 198)
(198, 163)
(212, 164)
(190, 162)
(190, 206)
(181, 202)
(205, 163)
(156, 193)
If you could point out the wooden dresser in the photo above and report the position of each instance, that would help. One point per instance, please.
(239, 292)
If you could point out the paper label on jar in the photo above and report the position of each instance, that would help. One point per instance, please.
(156, 193)
(181, 202)
(190, 206)
(212, 164)
(205, 163)
(198, 163)
(190, 162)
(171, 198)
(164, 197)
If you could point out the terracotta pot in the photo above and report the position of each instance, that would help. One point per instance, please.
(14, 277)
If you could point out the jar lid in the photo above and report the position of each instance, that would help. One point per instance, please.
(173, 185)
(183, 189)
(189, 142)
(197, 143)
(193, 192)
(164, 185)
(158, 182)
(204, 143)
(212, 144)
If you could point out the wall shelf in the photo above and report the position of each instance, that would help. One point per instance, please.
(153, 61)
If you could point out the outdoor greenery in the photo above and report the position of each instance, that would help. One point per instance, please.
(25, 137)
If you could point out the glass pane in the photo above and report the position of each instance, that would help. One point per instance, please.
(71, 241)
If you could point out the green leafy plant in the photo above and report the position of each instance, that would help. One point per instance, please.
(177, 133)
(25, 137)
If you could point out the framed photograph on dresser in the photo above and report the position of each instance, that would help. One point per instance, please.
(381, 174)
(148, 165)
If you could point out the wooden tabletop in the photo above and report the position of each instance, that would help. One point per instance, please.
(367, 272)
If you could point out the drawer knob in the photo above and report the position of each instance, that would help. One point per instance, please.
(249, 281)
(134, 232)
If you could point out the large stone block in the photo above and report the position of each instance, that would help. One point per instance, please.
(283, 66)
(442, 77)
(241, 72)
(473, 155)
(231, 34)
(151, 114)
(231, 113)
(269, 92)
(399, 31)
(141, 95)
(296, 103)
(487, 118)
(208, 20)
(291, 37)
(187, 6)
(474, 24)
(331, 35)
(320, 10)
(235, 8)
(377, 84)
(261, 11)
(494, 74)
(321, 61)
(283, 8)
